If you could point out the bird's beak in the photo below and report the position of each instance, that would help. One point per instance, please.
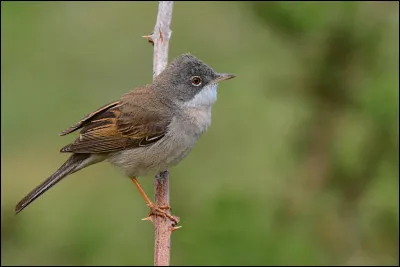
(223, 76)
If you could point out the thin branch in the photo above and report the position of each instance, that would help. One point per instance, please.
(163, 226)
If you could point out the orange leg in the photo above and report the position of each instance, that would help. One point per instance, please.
(154, 210)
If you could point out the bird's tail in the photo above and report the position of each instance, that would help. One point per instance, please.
(73, 164)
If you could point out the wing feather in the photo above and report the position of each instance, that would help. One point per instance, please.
(88, 117)
(136, 120)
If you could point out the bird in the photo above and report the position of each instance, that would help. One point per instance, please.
(148, 130)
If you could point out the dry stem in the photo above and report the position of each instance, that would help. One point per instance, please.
(163, 226)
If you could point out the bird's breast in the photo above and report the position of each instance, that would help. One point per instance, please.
(183, 133)
(192, 122)
(185, 130)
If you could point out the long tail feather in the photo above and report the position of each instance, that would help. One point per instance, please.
(73, 164)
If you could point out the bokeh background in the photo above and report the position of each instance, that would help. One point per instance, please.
(299, 167)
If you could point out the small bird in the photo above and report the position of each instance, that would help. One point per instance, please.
(148, 130)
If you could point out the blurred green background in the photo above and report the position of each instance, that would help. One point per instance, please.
(299, 167)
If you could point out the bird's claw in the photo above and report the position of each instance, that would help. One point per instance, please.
(160, 211)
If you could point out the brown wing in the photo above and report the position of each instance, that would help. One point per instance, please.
(88, 117)
(137, 120)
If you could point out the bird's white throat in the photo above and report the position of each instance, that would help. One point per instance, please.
(205, 98)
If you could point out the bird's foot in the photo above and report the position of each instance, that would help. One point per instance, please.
(162, 211)
(154, 209)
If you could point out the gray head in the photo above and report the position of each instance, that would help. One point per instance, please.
(189, 80)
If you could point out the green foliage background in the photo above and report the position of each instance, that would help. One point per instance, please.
(299, 167)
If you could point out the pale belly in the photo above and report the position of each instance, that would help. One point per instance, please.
(168, 151)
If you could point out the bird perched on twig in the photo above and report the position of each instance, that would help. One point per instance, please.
(148, 130)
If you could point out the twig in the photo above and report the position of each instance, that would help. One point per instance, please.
(163, 226)
(160, 36)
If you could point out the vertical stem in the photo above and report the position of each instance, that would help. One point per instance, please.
(163, 226)
(161, 35)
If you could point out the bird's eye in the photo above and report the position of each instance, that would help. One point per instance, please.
(196, 80)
